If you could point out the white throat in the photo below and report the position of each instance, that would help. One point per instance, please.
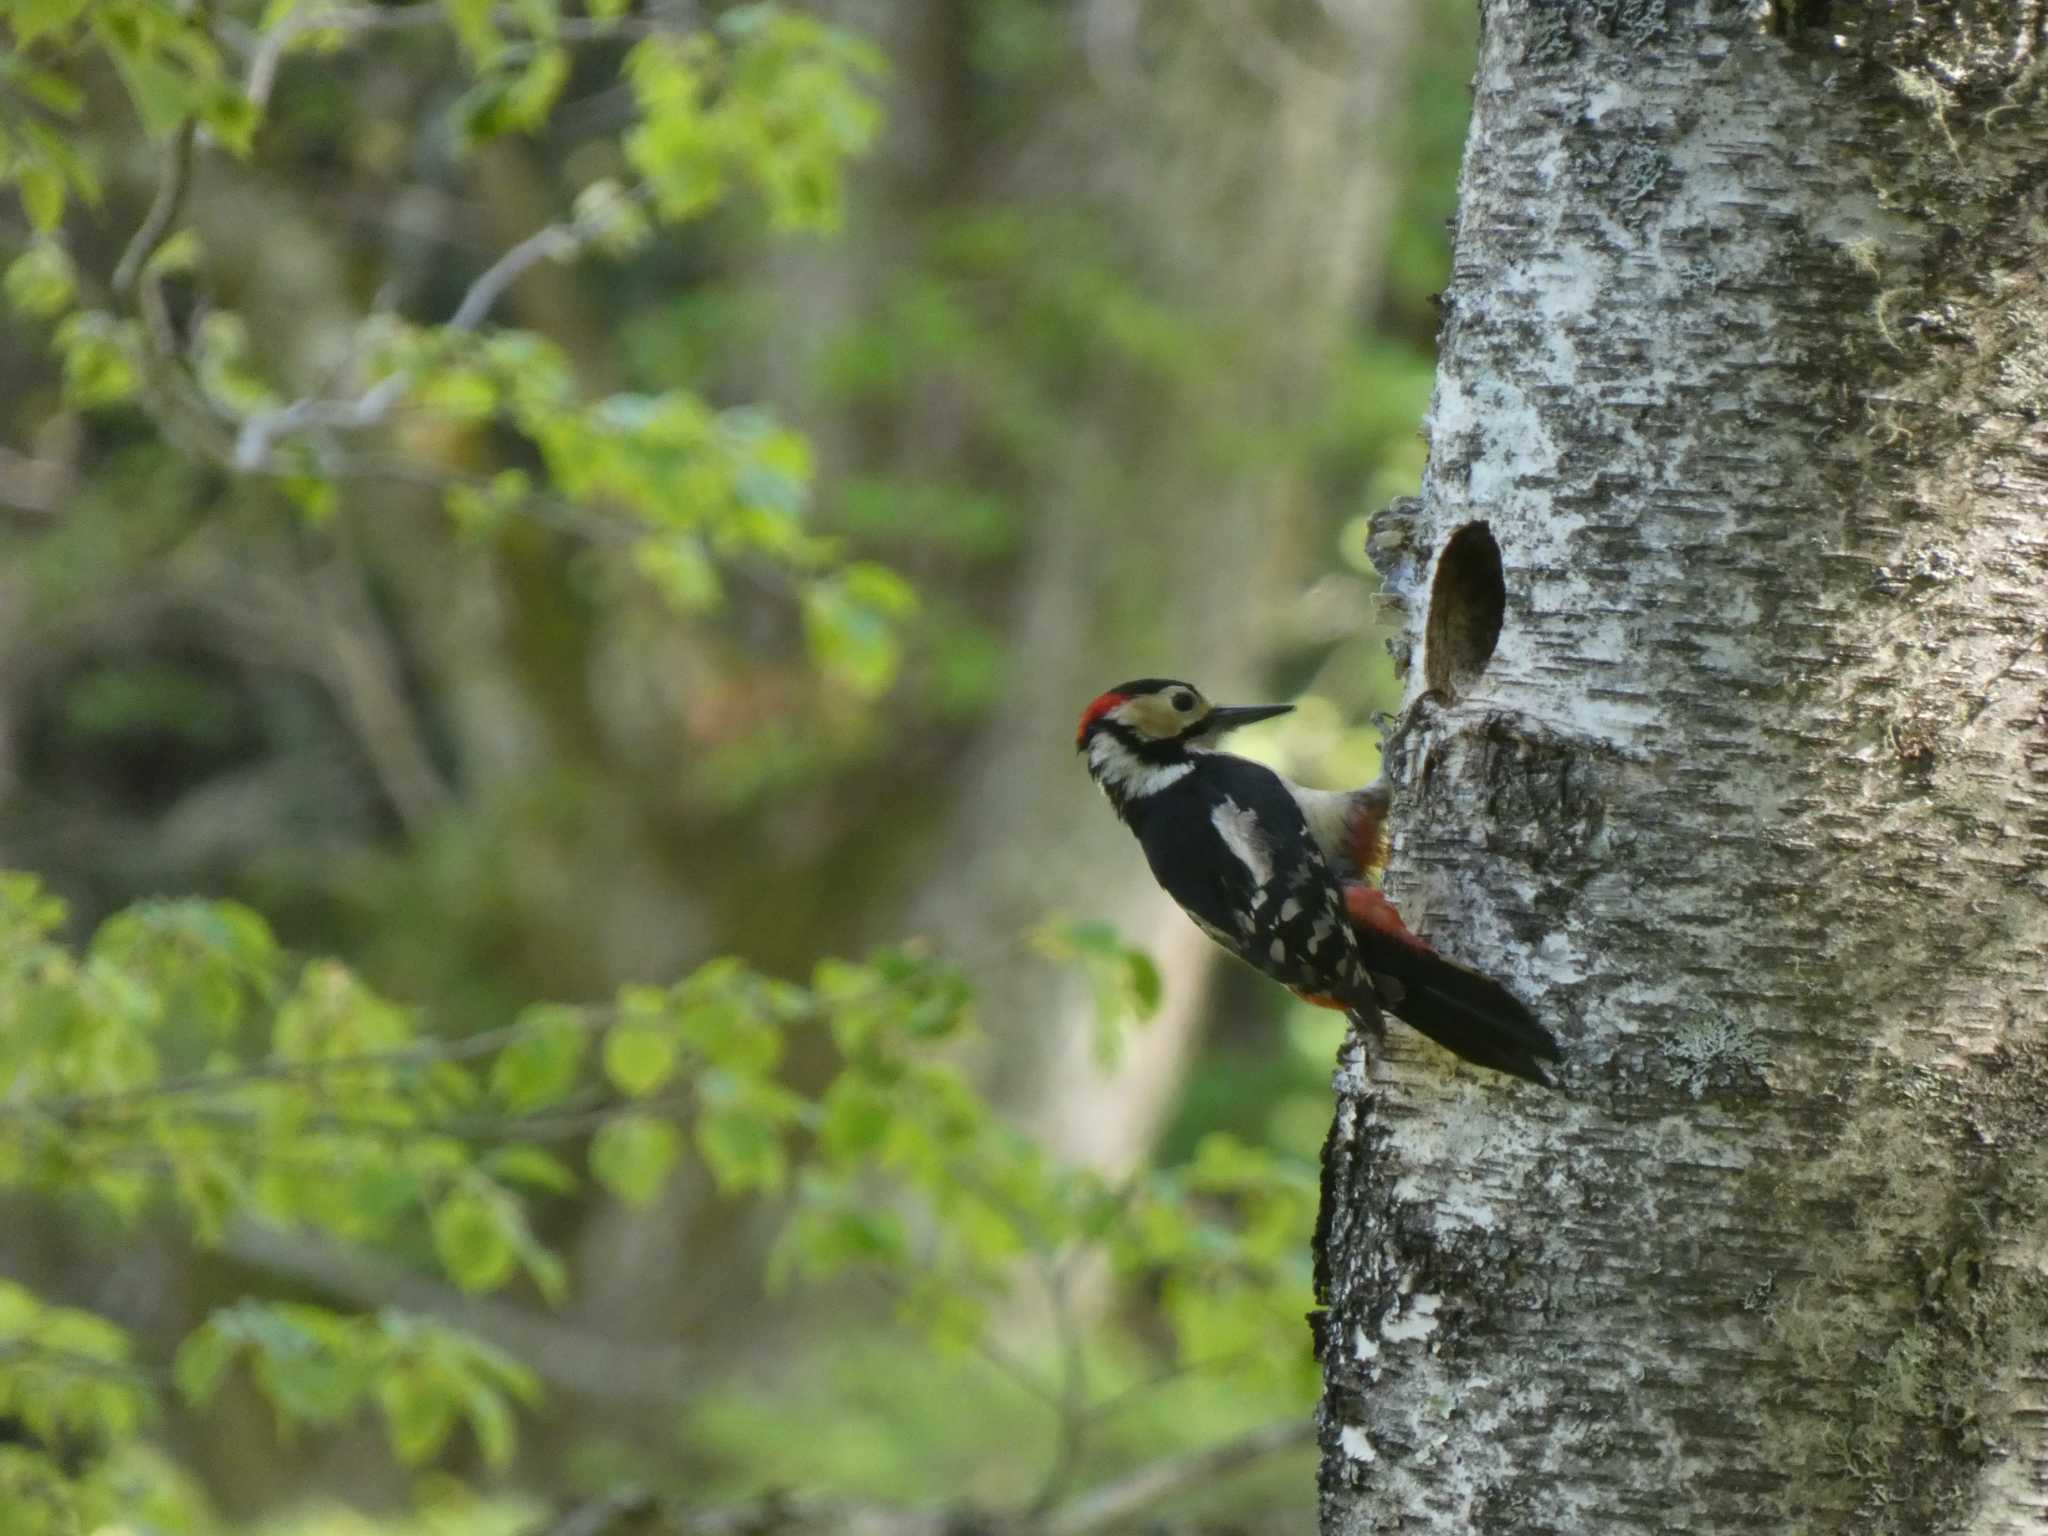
(1125, 776)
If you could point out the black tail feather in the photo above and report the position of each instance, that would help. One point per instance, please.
(1471, 1015)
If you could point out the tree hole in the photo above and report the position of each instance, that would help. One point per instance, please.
(1466, 604)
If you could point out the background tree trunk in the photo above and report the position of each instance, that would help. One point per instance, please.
(1224, 155)
(1742, 370)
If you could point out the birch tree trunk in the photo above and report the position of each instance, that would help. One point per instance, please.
(1727, 747)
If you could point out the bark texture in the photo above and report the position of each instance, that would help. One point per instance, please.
(1739, 771)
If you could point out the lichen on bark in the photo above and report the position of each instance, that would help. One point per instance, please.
(1743, 368)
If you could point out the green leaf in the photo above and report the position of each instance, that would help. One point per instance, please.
(830, 1233)
(471, 22)
(857, 1116)
(743, 1148)
(639, 1056)
(201, 1361)
(1142, 980)
(40, 281)
(632, 1155)
(419, 1413)
(852, 638)
(528, 1165)
(52, 90)
(164, 95)
(229, 116)
(541, 1065)
(32, 18)
(100, 354)
(677, 567)
(315, 498)
(472, 1240)
(490, 1420)
(42, 195)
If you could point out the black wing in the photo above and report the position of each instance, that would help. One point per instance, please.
(1229, 844)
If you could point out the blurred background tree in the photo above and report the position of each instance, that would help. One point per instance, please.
(398, 544)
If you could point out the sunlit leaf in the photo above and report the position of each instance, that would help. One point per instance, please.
(474, 1240)
(202, 1360)
(40, 281)
(639, 1056)
(632, 1155)
(540, 1065)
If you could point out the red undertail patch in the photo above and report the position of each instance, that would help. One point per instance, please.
(1371, 912)
(1319, 1000)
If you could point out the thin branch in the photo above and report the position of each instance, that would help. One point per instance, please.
(1116, 1402)
(34, 487)
(16, 1353)
(362, 668)
(991, 1353)
(568, 1121)
(484, 1043)
(172, 181)
(557, 241)
(1115, 1501)
(649, 1372)
(1074, 1416)
(260, 430)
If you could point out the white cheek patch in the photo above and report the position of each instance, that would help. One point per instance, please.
(1115, 764)
(1239, 829)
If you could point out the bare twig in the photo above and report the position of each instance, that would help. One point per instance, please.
(35, 487)
(261, 430)
(19, 1353)
(557, 241)
(1073, 1406)
(172, 180)
(1116, 1402)
(1114, 1501)
(362, 668)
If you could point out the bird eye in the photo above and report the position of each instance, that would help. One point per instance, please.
(1183, 701)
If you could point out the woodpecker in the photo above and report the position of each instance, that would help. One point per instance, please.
(1281, 875)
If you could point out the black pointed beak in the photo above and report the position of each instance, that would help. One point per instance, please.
(1228, 717)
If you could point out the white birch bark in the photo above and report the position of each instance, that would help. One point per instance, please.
(1743, 368)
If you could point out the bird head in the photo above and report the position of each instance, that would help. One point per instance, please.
(1135, 733)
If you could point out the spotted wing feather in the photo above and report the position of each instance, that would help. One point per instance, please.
(1230, 846)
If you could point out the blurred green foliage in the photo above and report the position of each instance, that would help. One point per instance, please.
(767, 102)
(176, 1071)
(181, 1063)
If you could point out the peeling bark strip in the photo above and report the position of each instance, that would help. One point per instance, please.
(1744, 368)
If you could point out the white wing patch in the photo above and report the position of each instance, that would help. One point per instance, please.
(1241, 834)
(1328, 814)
